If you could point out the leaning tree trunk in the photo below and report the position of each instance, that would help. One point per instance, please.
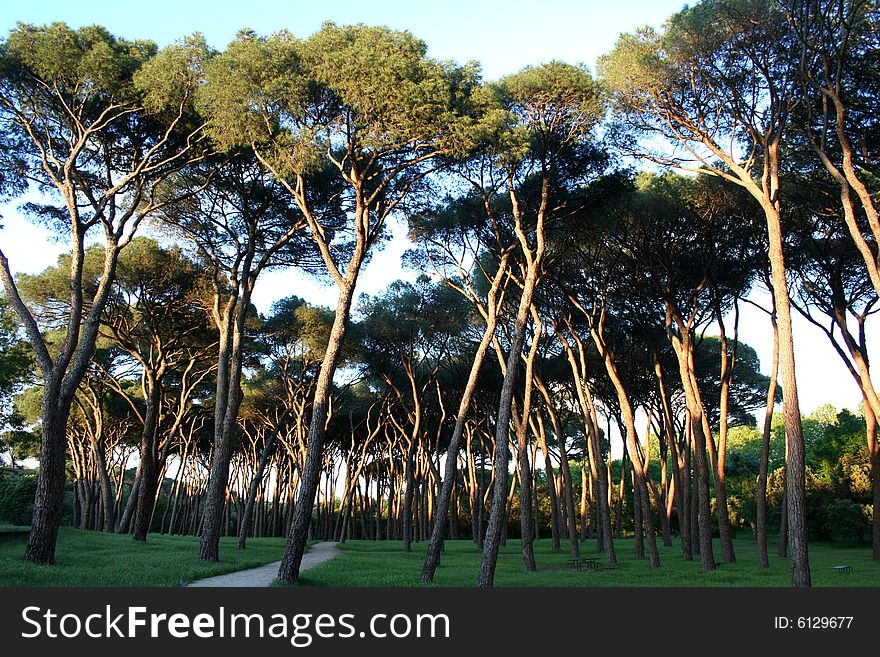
(435, 545)
(311, 473)
(719, 455)
(525, 472)
(598, 469)
(681, 496)
(683, 347)
(641, 499)
(125, 520)
(408, 493)
(701, 504)
(551, 484)
(525, 492)
(597, 463)
(498, 513)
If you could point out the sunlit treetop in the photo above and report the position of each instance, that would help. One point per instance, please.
(345, 90)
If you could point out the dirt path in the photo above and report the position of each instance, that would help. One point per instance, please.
(264, 575)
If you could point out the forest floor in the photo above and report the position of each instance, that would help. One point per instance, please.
(384, 564)
(265, 575)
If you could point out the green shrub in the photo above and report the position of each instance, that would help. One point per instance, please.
(17, 491)
(846, 520)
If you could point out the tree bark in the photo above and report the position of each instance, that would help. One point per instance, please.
(795, 486)
(539, 431)
(874, 451)
(679, 488)
(498, 513)
(432, 559)
(761, 494)
(297, 535)
(149, 466)
(231, 322)
(49, 498)
(641, 499)
(253, 488)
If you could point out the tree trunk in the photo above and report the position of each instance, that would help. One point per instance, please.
(525, 490)
(124, 525)
(311, 472)
(108, 502)
(49, 498)
(681, 498)
(600, 474)
(228, 401)
(874, 450)
(409, 491)
(551, 486)
(253, 488)
(149, 467)
(683, 346)
(432, 559)
(498, 513)
(728, 363)
(521, 426)
(795, 486)
(641, 499)
(761, 494)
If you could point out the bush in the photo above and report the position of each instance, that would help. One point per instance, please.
(17, 491)
(846, 520)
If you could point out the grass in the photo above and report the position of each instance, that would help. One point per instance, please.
(85, 558)
(384, 564)
(96, 559)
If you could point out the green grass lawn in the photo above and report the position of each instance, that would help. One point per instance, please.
(86, 558)
(383, 563)
(96, 559)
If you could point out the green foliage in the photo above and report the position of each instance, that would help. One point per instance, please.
(48, 293)
(385, 78)
(78, 64)
(294, 321)
(15, 370)
(837, 476)
(17, 490)
(15, 359)
(18, 443)
(714, 79)
(846, 520)
(168, 81)
(350, 88)
(251, 88)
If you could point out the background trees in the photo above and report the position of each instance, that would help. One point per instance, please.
(96, 123)
(714, 83)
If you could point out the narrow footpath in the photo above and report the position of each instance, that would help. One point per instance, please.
(264, 575)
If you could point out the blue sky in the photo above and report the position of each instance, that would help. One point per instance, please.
(502, 36)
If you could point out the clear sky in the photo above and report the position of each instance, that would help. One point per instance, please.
(502, 36)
